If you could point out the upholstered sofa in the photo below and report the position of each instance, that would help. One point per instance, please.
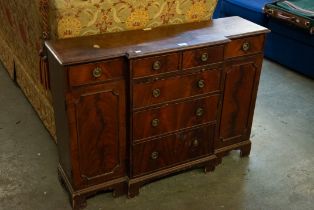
(25, 25)
(290, 46)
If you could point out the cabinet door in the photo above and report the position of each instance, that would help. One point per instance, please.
(97, 124)
(240, 81)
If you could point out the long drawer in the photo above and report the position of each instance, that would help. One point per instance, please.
(173, 117)
(179, 147)
(177, 87)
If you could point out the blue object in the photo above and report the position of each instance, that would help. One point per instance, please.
(291, 47)
(287, 45)
(218, 10)
(249, 9)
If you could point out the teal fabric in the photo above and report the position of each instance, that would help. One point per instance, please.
(307, 5)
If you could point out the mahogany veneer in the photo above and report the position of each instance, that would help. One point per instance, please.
(135, 106)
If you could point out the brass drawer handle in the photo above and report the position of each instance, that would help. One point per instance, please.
(156, 93)
(246, 46)
(155, 122)
(199, 112)
(97, 72)
(204, 57)
(195, 143)
(154, 155)
(156, 65)
(201, 83)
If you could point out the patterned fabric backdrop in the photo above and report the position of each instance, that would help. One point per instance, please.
(21, 31)
(86, 17)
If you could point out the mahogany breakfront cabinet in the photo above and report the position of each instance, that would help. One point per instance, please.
(134, 106)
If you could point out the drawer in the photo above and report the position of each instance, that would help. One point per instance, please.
(155, 65)
(177, 87)
(202, 56)
(167, 151)
(96, 72)
(244, 46)
(173, 117)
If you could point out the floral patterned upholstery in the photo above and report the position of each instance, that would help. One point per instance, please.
(20, 38)
(86, 17)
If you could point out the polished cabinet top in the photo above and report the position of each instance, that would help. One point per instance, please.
(139, 43)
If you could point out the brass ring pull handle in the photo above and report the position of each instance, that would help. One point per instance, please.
(195, 143)
(204, 57)
(201, 83)
(155, 122)
(199, 112)
(156, 93)
(246, 46)
(97, 72)
(156, 65)
(154, 155)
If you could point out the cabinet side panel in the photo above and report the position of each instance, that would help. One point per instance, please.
(58, 83)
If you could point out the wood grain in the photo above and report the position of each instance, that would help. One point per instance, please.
(172, 149)
(175, 87)
(174, 116)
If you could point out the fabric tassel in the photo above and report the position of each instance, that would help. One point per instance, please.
(44, 70)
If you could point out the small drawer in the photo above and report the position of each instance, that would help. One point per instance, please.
(173, 149)
(173, 88)
(173, 117)
(155, 65)
(96, 72)
(202, 56)
(244, 46)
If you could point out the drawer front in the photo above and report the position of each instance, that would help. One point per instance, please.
(244, 46)
(173, 117)
(173, 88)
(202, 56)
(160, 153)
(96, 72)
(155, 65)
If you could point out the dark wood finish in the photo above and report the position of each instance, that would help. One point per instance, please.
(167, 151)
(146, 104)
(241, 78)
(156, 65)
(159, 40)
(78, 197)
(203, 56)
(175, 88)
(97, 123)
(136, 183)
(108, 70)
(175, 116)
(245, 46)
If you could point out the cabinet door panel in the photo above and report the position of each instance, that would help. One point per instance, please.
(100, 129)
(240, 88)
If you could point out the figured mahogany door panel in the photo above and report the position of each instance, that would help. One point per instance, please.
(145, 94)
(179, 147)
(98, 118)
(173, 117)
(245, 46)
(202, 56)
(240, 88)
(96, 72)
(155, 65)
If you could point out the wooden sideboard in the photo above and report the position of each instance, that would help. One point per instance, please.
(135, 106)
